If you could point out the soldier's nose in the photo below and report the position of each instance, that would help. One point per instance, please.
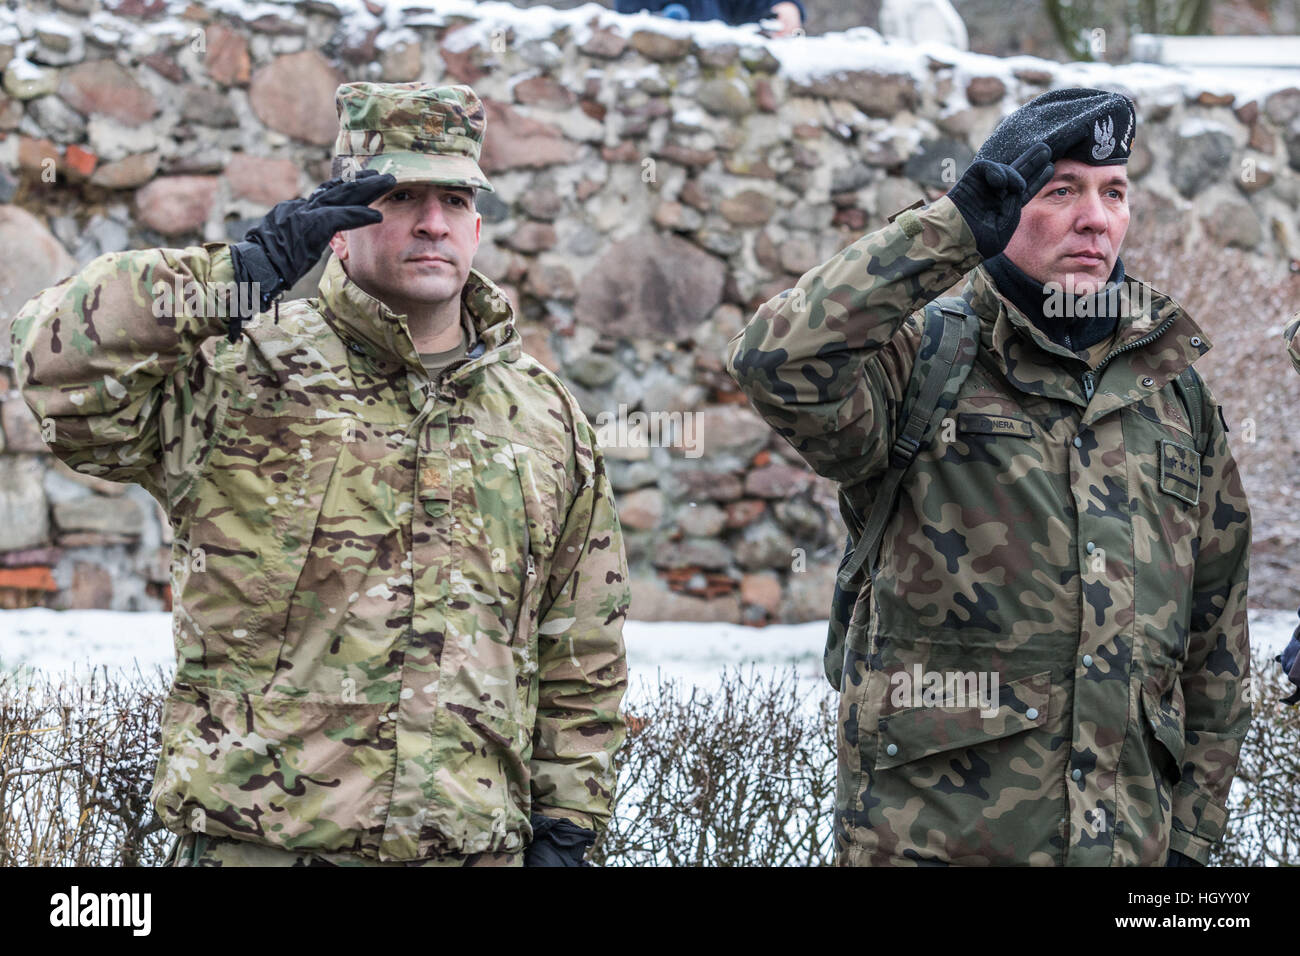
(1090, 214)
(432, 220)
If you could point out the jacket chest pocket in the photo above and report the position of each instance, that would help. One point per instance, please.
(992, 436)
(503, 508)
(504, 504)
(253, 515)
(988, 432)
(951, 556)
(269, 466)
(353, 591)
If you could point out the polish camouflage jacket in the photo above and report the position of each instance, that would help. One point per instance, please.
(1062, 540)
(398, 603)
(1292, 335)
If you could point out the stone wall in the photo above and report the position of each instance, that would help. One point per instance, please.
(655, 183)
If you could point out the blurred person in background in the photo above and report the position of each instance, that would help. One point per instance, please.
(788, 13)
(1290, 656)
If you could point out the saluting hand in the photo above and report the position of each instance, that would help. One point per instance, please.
(990, 195)
(289, 240)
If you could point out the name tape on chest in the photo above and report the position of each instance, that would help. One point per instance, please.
(977, 424)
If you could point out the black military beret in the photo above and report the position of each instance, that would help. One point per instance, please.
(1092, 126)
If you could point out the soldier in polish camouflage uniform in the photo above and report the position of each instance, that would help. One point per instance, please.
(1063, 533)
(1290, 656)
(1292, 337)
(398, 572)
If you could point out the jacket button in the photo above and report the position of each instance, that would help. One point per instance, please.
(1091, 547)
(1148, 381)
(1032, 713)
(1196, 341)
(1078, 442)
(1087, 660)
(1076, 774)
(891, 749)
(435, 508)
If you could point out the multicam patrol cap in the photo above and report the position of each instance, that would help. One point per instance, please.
(415, 131)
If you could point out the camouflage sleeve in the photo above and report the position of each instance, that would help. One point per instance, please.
(100, 355)
(1216, 675)
(1292, 337)
(817, 360)
(582, 670)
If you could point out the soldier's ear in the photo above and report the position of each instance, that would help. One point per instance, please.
(339, 243)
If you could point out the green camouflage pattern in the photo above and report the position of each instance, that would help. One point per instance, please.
(1292, 338)
(924, 364)
(198, 849)
(1081, 552)
(398, 603)
(414, 131)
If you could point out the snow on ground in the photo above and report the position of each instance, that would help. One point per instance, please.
(692, 653)
(696, 654)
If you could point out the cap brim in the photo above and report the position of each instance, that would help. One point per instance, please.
(410, 167)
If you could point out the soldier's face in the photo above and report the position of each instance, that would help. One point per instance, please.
(420, 255)
(1071, 231)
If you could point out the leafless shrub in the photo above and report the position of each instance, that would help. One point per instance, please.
(76, 764)
(743, 775)
(1264, 807)
(740, 776)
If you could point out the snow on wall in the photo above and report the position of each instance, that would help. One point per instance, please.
(764, 157)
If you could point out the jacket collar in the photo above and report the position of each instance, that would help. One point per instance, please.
(1154, 342)
(370, 327)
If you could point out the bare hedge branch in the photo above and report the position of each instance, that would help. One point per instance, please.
(740, 775)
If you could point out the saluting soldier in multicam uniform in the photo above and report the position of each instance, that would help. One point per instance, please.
(1076, 529)
(399, 576)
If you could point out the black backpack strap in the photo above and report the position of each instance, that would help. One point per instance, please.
(1191, 391)
(917, 430)
(949, 341)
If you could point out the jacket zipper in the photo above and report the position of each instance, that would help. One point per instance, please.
(473, 363)
(530, 580)
(1090, 377)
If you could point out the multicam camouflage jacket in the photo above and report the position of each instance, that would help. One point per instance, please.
(1063, 568)
(398, 603)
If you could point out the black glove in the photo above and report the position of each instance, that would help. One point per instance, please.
(990, 195)
(1288, 661)
(289, 240)
(557, 843)
(1178, 859)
